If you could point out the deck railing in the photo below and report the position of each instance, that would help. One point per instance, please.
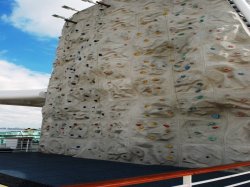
(19, 142)
(186, 176)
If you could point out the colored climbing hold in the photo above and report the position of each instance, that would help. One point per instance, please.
(211, 124)
(183, 56)
(169, 146)
(192, 109)
(215, 127)
(226, 69)
(197, 133)
(195, 6)
(216, 116)
(198, 90)
(212, 138)
(151, 137)
(169, 158)
(200, 97)
(187, 67)
(166, 125)
(152, 124)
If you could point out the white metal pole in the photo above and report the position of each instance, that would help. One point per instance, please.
(27, 146)
(244, 7)
(187, 181)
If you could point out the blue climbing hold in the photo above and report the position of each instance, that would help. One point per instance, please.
(187, 67)
(216, 116)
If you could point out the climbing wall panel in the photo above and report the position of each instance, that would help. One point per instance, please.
(151, 82)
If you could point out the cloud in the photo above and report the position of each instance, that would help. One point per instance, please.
(34, 16)
(14, 77)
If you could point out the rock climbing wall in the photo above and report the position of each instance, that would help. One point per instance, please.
(151, 82)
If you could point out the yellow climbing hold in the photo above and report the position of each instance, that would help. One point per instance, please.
(151, 137)
(169, 158)
(165, 12)
(152, 124)
(158, 32)
(143, 72)
(137, 53)
(149, 52)
(155, 79)
(138, 34)
(169, 146)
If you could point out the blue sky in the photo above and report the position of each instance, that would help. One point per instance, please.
(23, 48)
(28, 42)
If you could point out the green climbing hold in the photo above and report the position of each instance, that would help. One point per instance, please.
(200, 97)
(211, 124)
(212, 138)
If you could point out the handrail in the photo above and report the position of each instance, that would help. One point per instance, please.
(160, 176)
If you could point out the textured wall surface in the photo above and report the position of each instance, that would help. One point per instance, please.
(152, 82)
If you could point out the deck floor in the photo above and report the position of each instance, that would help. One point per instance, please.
(37, 169)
